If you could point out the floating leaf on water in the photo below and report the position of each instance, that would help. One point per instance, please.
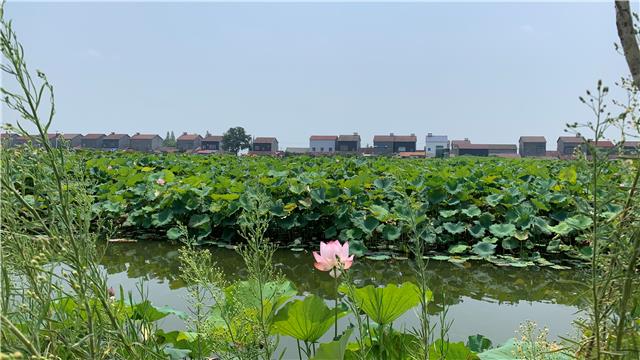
(297, 249)
(484, 249)
(502, 230)
(454, 228)
(560, 267)
(380, 257)
(458, 249)
(440, 257)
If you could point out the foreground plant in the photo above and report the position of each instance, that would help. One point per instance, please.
(55, 301)
(335, 259)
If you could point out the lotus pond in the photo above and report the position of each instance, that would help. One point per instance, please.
(484, 298)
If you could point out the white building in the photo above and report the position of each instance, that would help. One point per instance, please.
(323, 143)
(436, 145)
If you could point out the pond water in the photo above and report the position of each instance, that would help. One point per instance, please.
(483, 298)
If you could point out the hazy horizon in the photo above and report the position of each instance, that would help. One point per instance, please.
(490, 72)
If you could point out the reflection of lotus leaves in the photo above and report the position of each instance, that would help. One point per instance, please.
(480, 281)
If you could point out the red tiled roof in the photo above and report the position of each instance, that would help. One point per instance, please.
(631, 144)
(144, 136)
(507, 156)
(264, 140)
(323, 137)
(188, 137)
(407, 138)
(412, 153)
(113, 136)
(213, 138)
(93, 136)
(533, 139)
(382, 138)
(603, 143)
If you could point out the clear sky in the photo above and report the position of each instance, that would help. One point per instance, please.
(489, 72)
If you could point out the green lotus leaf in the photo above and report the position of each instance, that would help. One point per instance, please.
(379, 212)
(225, 197)
(486, 219)
(568, 174)
(199, 221)
(335, 349)
(379, 257)
(579, 222)
(391, 232)
(162, 218)
(305, 320)
(454, 228)
(385, 304)
(484, 249)
(477, 231)
(458, 249)
(478, 343)
(471, 211)
(494, 199)
(502, 230)
(561, 229)
(450, 351)
(448, 213)
(146, 311)
(510, 244)
(175, 233)
(318, 195)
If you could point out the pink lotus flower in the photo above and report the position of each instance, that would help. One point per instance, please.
(160, 181)
(111, 293)
(333, 257)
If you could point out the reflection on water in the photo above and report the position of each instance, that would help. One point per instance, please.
(484, 298)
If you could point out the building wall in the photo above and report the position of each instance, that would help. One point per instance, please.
(383, 147)
(533, 149)
(567, 148)
(146, 144)
(474, 152)
(502, 151)
(402, 146)
(322, 146)
(263, 147)
(210, 145)
(184, 145)
(92, 143)
(432, 147)
(347, 146)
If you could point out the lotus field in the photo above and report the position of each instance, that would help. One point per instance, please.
(509, 211)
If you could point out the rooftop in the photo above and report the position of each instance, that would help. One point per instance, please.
(114, 136)
(139, 136)
(213, 138)
(188, 137)
(323, 137)
(264, 140)
(94, 136)
(533, 139)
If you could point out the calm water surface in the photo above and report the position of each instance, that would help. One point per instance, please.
(483, 298)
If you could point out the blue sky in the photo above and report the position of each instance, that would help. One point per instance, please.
(487, 71)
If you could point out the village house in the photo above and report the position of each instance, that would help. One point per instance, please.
(67, 140)
(348, 143)
(322, 144)
(465, 147)
(532, 146)
(188, 142)
(92, 141)
(264, 145)
(211, 144)
(393, 144)
(7, 139)
(115, 141)
(567, 145)
(145, 142)
(436, 146)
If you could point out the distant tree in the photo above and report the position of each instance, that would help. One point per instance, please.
(169, 140)
(235, 139)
